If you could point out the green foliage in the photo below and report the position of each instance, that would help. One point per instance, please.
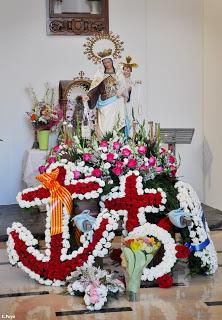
(167, 184)
(195, 265)
(185, 234)
(107, 136)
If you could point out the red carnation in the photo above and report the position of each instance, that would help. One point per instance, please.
(173, 170)
(182, 251)
(165, 224)
(151, 199)
(165, 281)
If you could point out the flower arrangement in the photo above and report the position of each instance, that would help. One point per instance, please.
(196, 236)
(44, 115)
(96, 285)
(137, 254)
(113, 157)
(56, 264)
(134, 180)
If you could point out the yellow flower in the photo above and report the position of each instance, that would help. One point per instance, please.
(136, 245)
(158, 244)
(152, 240)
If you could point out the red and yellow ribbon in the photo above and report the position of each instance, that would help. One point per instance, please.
(59, 196)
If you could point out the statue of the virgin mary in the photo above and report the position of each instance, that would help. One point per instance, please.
(109, 93)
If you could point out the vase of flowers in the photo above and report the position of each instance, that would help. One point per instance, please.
(137, 253)
(44, 117)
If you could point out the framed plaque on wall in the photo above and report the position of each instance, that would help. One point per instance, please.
(77, 17)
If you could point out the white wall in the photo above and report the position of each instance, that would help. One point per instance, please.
(213, 102)
(29, 56)
(163, 36)
(174, 68)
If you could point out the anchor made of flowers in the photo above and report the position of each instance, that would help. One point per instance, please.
(56, 264)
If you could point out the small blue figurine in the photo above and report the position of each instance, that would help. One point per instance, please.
(85, 222)
(179, 218)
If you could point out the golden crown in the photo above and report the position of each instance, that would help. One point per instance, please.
(104, 53)
(129, 63)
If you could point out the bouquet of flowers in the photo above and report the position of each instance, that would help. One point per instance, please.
(113, 157)
(137, 254)
(95, 285)
(44, 115)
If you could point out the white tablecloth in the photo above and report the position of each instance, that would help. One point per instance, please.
(33, 159)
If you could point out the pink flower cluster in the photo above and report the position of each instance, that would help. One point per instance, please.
(115, 157)
(50, 160)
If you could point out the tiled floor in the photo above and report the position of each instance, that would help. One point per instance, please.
(184, 302)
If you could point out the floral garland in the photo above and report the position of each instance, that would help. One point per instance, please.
(88, 188)
(198, 231)
(131, 201)
(169, 258)
(56, 265)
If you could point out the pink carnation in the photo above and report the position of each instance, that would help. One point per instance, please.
(158, 169)
(76, 174)
(51, 160)
(93, 297)
(152, 161)
(117, 170)
(162, 150)
(42, 169)
(132, 163)
(103, 143)
(56, 148)
(97, 173)
(171, 159)
(126, 152)
(87, 157)
(119, 164)
(142, 149)
(143, 168)
(110, 157)
(117, 145)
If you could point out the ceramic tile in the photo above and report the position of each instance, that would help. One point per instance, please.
(35, 307)
(185, 302)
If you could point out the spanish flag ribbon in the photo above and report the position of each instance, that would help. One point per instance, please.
(59, 196)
